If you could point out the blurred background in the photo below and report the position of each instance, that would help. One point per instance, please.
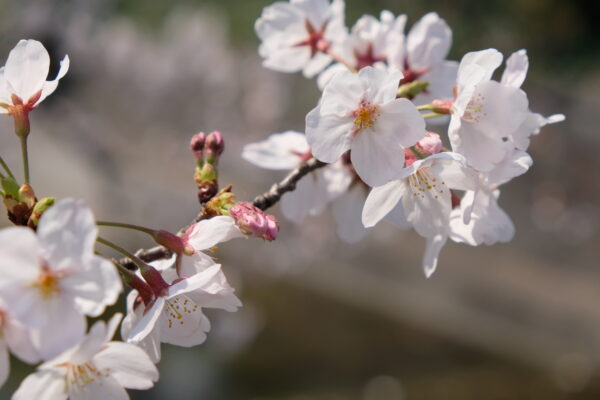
(324, 320)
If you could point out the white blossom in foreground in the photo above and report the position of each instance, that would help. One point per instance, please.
(423, 188)
(360, 113)
(421, 55)
(95, 369)
(284, 151)
(484, 112)
(296, 35)
(16, 338)
(176, 317)
(52, 280)
(23, 78)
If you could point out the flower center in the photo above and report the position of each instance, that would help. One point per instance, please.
(48, 282)
(474, 110)
(422, 181)
(177, 308)
(83, 374)
(365, 116)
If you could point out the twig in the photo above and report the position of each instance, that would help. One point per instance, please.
(263, 201)
(269, 198)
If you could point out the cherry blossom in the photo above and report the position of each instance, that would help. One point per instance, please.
(296, 35)
(423, 189)
(52, 280)
(176, 316)
(360, 112)
(96, 369)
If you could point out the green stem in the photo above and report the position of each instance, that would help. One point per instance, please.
(432, 115)
(149, 231)
(25, 157)
(121, 250)
(7, 168)
(425, 107)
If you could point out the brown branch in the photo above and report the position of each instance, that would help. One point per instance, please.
(269, 198)
(263, 201)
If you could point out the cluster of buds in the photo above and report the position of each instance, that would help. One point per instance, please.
(207, 149)
(22, 206)
(253, 221)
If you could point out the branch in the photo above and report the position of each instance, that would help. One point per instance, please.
(271, 197)
(263, 201)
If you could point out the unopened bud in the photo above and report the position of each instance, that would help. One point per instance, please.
(154, 279)
(197, 145)
(220, 203)
(411, 89)
(430, 144)
(442, 106)
(253, 221)
(133, 281)
(214, 147)
(38, 210)
(26, 195)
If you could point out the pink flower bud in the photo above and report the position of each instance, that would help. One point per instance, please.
(215, 144)
(442, 106)
(197, 145)
(430, 144)
(253, 221)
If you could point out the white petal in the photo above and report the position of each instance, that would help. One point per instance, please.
(432, 251)
(481, 151)
(48, 384)
(210, 232)
(19, 258)
(428, 41)
(516, 69)
(148, 322)
(129, 365)
(442, 79)
(380, 201)
(297, 204)
(342, 94)
(347, 214)
(488, 60)
(279, 151)
(454, 173)
(50, 86)
(27, 68)
(101, 388)
(380, 85)
(500, 109)
(182, 323)
(329, 136)
(18, 339)
(95, 286)
(67, 231)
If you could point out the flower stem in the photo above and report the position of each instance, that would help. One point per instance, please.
(6, 167)
(432, 115)
(121, 250)
(149, 231)
(25, 154)
(425, 107)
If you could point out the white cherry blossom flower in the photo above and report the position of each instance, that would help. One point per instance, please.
(484, 112)
(52, 280)
(176, 317)
(23, 78)
(284, 151)
(94, 369)
(360, 112)
(421, 55)
(296, 35)
(423, 189)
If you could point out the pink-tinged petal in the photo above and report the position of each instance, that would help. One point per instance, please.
(516, 69)
(101, 388)
(341, 96)
(64, 329)
(488, 60)
(67, 231)
(401, 121)
(195, 282)
(481, 151)
(26, 304)
(216, 293)
(316, 64)
(48, 384)
(327, 75)
(195, 263)
(210, 232)
(18, 339)
(4, 362)
(5, 93)
(428, 41)
(90, 345)
(50, 86)
(347, 214)
(380, 85)
(19, 257)
(278, 151)
(148, 322)
(428, 210)
(129, 365)
(287, 59)
(27, 68)
(380, 201)
(329, 136)
(515, 163)
(338, 178)
(432, 251)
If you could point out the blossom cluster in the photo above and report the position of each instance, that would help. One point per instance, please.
(380, 86)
